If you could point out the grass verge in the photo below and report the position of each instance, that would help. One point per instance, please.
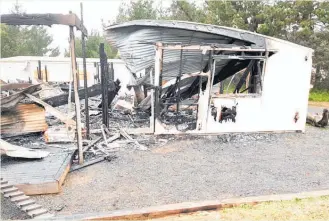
(319, 96)
(298, 209)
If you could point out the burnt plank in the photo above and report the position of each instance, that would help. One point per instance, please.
(63, 98)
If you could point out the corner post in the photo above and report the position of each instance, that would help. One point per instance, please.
(76, 95)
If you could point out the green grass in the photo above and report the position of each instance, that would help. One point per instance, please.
(297, 209)
(319, 96)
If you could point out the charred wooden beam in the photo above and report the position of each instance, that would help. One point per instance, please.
(104, 84)
(39, 70)
(44, 19)
(63, 98)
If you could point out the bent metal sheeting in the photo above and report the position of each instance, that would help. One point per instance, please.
(135, 41)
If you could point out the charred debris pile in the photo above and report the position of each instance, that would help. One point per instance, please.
(35, 117)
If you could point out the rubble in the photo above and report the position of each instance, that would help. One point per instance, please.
(312, 120)
(10, 101)
(59, 134)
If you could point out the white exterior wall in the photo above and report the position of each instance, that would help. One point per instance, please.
(285, 91)
(59, 69)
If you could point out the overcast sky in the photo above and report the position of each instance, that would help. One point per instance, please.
(94, 12)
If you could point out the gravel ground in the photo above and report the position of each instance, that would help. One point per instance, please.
(10, 211)
(195, 169)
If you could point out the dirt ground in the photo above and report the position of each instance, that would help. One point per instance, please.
(207, 168)
(318, 104)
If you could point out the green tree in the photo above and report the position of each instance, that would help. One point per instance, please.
(92, 47)
(24, 41)
(301, 22)
(135, 10)
(185, 11)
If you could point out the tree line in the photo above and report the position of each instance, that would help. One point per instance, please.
(302, 22)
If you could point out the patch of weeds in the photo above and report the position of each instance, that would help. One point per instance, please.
(319, 95)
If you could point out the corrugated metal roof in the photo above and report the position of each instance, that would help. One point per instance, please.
(138, 54)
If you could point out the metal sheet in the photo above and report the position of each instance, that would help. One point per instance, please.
(136, 41)
(8, 103)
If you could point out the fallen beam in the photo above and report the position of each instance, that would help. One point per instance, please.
(44, 19)
(88, 163)
(53, 111)
(63, 98)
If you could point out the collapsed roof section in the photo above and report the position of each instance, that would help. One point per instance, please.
(135, 41)
(233, 49)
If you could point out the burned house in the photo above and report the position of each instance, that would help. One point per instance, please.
(210, 79)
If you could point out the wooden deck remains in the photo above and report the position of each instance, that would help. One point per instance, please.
(34, 177)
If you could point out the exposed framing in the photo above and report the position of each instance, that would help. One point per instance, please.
(204, 105)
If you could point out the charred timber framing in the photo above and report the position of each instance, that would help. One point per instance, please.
(39, 70)
(179, 78)
(236, 62)
(70, 20)
(46, 73)
(76, 95)
(104, 83)
(44, 19)
(63, 98)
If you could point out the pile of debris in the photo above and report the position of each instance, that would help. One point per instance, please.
(312, 120)
(40, 116)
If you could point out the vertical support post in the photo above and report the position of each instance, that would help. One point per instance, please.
(200, 77)
(264, 67)
(157, 73)
(85, 80)
(76, 95)
(161, 69)
(258, 79)
(152, 118)
(46, 73)
(212, 67)
(200, 86)
(104, 84)
(39, 70)
(178, 79)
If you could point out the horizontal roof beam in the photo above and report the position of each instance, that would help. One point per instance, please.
(44, 19)
(238, 57)
(212, 48)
